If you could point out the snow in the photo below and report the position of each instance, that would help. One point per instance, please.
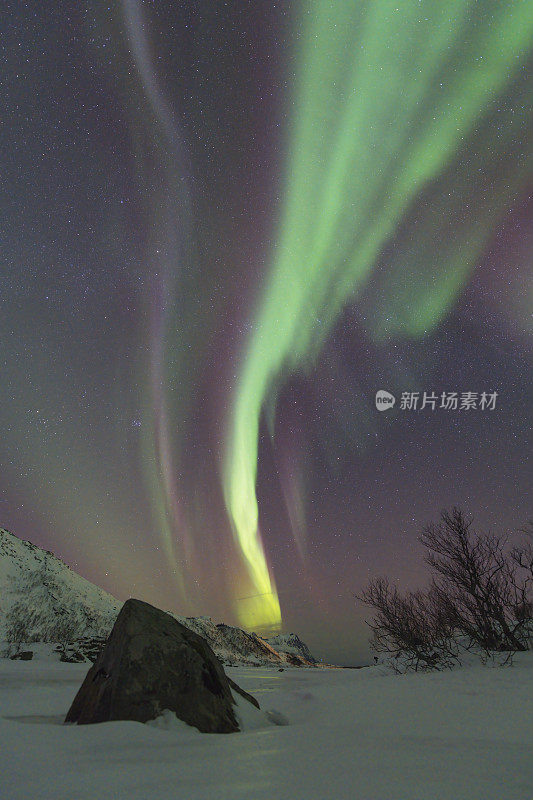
(351, 735)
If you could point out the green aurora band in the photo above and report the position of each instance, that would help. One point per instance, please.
(407, 136)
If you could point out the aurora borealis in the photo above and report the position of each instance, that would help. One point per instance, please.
(372, 127)
(225, 227)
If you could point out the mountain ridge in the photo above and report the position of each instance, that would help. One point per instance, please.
(38, 580)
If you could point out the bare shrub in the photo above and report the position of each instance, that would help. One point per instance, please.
(479, 599)
(16, 631)
(409, 627)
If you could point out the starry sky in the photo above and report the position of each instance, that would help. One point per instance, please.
(224, 228)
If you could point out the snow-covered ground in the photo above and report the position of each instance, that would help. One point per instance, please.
(354, 734)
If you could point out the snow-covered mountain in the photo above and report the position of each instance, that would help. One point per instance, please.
(52, 590)
(234, 646)
(292, 645)
(38, 581)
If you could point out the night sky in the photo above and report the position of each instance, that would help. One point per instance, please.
(224, 227)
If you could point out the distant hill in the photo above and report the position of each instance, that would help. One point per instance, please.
(237, 647)
(292, 645)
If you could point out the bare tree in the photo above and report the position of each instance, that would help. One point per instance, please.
(477, 583)
(409, 627)
(479, 598)
(64, 631)
(17, 631)
(522, 557)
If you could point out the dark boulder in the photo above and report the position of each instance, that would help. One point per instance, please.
(22, 655)
(150, 663)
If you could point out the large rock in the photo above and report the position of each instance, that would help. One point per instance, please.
(150, 663)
